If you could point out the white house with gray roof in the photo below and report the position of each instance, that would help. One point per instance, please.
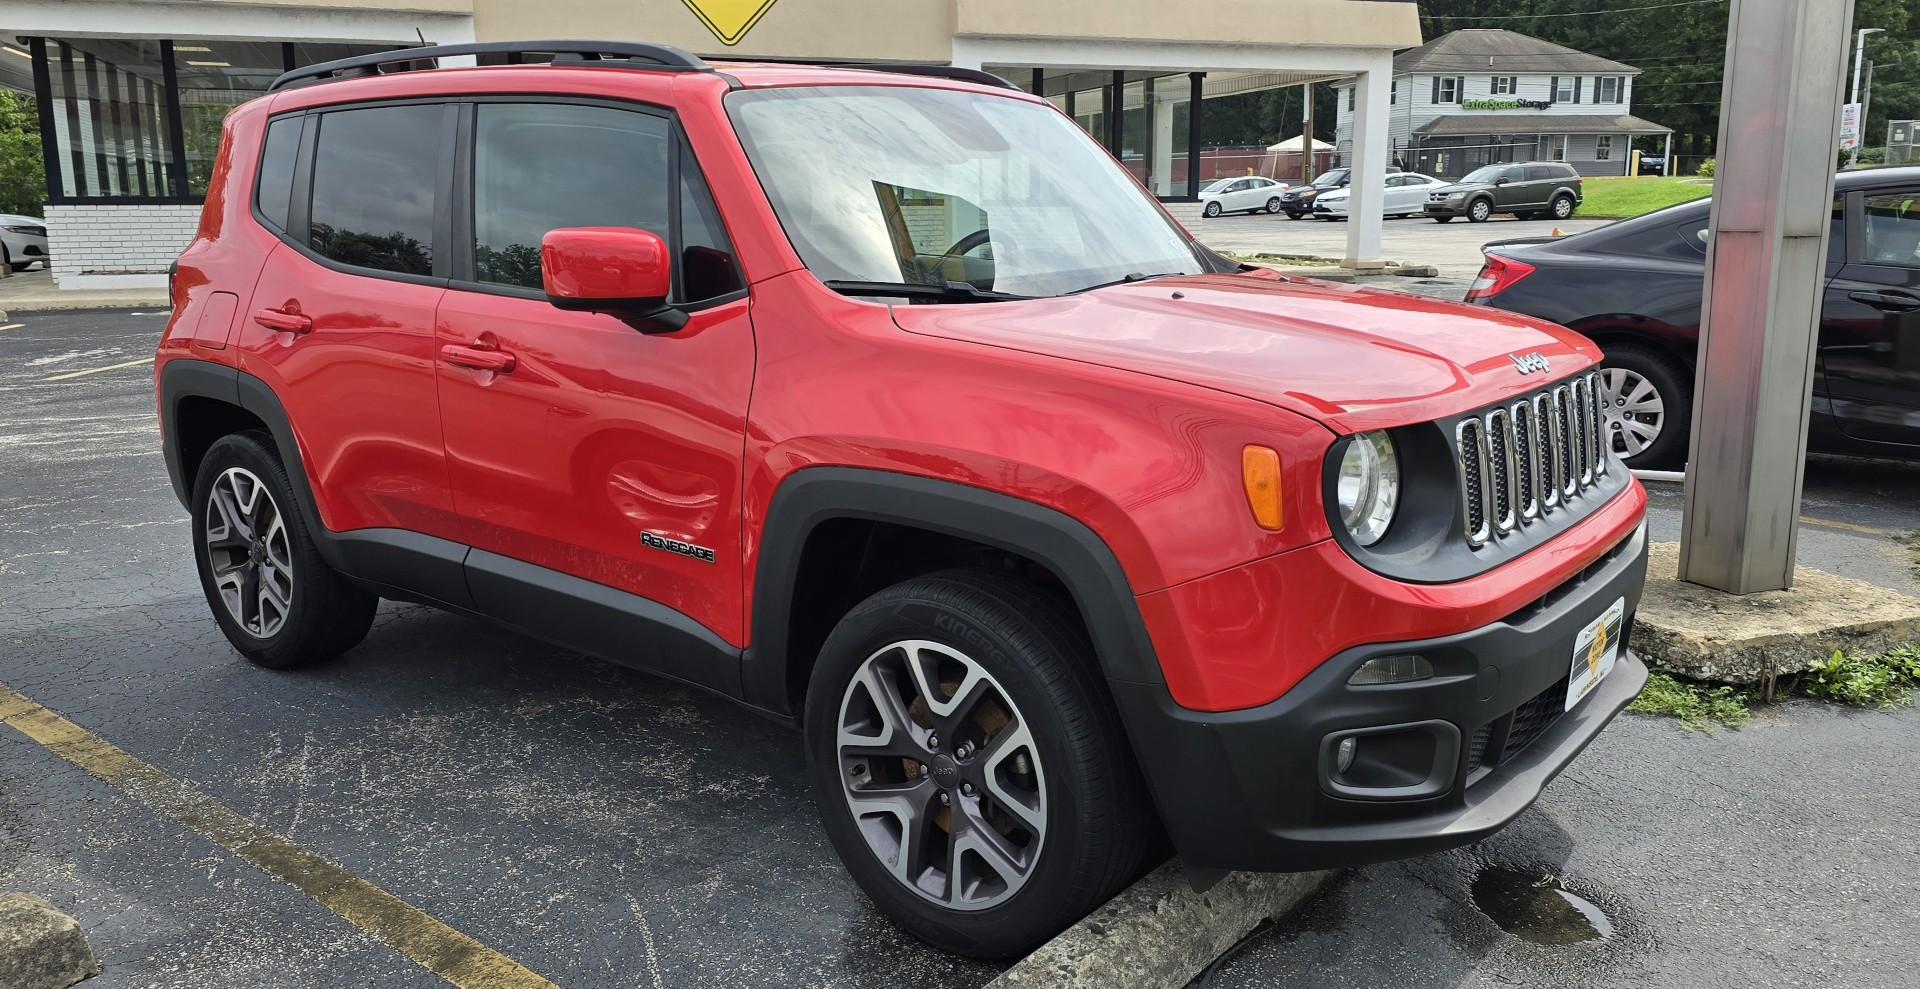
(1484, 95)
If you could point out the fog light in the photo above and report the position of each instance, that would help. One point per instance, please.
(1343, 757)
(1392, 669)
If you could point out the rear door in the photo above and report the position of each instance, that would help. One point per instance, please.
(1512, 194)
(601, 443)
(1870, 324)
(340, 324)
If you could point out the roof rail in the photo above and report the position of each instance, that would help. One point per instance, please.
(938, 71)
(658, 58)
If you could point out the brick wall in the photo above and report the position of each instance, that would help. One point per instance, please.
(120, 245)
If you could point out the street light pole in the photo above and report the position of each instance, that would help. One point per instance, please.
(1860, 124)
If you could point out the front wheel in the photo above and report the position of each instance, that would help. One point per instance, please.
(1294, 214)
(274, 597)
(1480, 211)
(968, 767)
(1443, 219)
(1213, 209)
(1273, 205)
(1647, 407)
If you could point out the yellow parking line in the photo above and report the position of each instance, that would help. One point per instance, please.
(442, 950)
(70, 375)
(1845, 527)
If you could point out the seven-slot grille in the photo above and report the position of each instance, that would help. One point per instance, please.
(1524, 460)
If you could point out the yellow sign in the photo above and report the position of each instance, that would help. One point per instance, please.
(1597, 651)
(729, 20)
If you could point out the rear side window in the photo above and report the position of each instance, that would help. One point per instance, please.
(1540, 173)
(539, 167)
(376, 175)
(1892, 234)
(275, 186)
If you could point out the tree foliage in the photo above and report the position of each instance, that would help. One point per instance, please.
(23, 177)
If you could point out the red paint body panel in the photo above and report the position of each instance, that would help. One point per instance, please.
(556, 438)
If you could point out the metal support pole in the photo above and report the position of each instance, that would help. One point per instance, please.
(1773, 197)
(1306, 132)
(1859, 55)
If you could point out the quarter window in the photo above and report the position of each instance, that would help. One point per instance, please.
(376, 174)
(275, 185)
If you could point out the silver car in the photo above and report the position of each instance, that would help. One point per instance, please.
(23, 240)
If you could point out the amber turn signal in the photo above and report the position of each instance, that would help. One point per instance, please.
(1260, 471)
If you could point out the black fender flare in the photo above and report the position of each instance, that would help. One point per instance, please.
(1067, 547)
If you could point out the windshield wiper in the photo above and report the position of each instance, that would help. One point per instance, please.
(951, 291)
(1128, 279)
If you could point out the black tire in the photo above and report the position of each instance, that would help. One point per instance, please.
(326, 616)
(1212, 209)
(1562, 207)
(1529, 215)
(1479, 211)
(1273, 205)
(1294, 214)
(1099, 822)
(1443, 219)
(1674, 383)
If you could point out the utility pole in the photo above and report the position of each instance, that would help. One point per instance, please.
(1772, 200)
(1306, 132)
(1866, 100)
(1859, 55)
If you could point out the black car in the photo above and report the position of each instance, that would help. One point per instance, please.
(1298, 201)
(1634, 288)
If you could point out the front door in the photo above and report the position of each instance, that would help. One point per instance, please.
(601, 449)
(1870, 323)
(340, 325)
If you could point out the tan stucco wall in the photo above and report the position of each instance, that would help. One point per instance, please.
(900, 30)
(1358, 23)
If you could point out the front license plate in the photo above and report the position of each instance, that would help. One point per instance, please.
(1594, 652)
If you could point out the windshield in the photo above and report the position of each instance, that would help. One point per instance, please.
(927, 186)
(1485, 173)
(1332, 179)
(1217, 186)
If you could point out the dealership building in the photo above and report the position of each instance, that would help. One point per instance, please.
(131, 92)
(1470, 98)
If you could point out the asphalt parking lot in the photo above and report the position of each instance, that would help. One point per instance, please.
(602, 828)
(1454, 247)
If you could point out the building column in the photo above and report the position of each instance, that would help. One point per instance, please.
(1785, 70)
(1367, 192)
(1162, 165)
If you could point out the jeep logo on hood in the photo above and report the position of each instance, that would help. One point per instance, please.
(1529, 363)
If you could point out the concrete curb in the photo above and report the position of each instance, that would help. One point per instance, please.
(40, 947)
(1704, 634)
(1159, 932)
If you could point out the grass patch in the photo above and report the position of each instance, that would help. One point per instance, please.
(1697, 706)
(1628, 197)
(1885, 679)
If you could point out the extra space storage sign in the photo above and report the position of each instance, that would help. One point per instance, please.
(729, 20)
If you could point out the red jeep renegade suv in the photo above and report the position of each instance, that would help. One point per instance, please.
(888, 404)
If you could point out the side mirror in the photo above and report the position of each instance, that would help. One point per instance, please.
(1503, 180)
(618, 271)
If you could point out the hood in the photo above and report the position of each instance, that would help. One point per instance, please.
(1464, 187)
(1354, 359)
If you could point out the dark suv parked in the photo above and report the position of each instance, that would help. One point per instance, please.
(1527, 190)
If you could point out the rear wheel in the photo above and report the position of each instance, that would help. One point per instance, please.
(1294, 214)
(1562, 206)
(1647, 403)
(967, 765)
(1479, 211)
(1273, 205)
(274, 597)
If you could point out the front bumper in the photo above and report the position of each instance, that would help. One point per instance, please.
(1447, 208)
(1256, 789)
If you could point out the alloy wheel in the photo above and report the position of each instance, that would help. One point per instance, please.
(1633, 410)
(249, 553)
(941, 773)
(1562, 208)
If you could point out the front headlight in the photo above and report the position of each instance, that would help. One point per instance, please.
(1452, 196)
(1368, 487)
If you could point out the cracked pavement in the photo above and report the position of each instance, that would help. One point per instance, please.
(605, 828)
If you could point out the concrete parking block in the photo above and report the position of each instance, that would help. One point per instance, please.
(40, 947)
(1706, 634)
(1159, 932)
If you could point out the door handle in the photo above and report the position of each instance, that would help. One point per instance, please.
(1886, 301)
(497, 361)
(280, 319)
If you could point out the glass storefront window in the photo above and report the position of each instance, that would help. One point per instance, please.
(140, 119)
(110, 117)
